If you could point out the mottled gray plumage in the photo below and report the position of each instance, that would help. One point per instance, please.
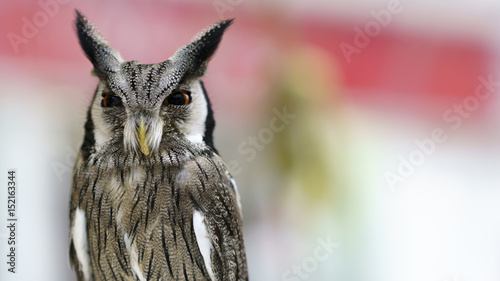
(151, 198)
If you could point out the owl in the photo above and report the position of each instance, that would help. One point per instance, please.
(151, 197)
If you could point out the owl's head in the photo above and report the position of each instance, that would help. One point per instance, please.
(143, 106)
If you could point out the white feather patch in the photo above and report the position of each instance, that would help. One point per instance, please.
(136, 269)
(80, 242)
(195, 138)
(183, 176)
(203, 240)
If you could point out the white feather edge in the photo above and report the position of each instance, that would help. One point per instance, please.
(203, 240)
(235, 187)
(133, 258)
(80, 242)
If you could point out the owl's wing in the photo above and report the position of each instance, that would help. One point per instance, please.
(219, 234)
(79, 252)
(79, 256)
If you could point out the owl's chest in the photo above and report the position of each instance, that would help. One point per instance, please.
(136, 199)
(137, 212)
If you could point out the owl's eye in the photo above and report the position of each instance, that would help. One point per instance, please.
(108, 100)
(179, 97)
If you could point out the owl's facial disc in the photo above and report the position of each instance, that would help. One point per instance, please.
(143, 103)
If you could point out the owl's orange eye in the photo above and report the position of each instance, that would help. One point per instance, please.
(179, 97)
(109, 100)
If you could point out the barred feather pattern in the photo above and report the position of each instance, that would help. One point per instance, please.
(144, 214)
(144, 206)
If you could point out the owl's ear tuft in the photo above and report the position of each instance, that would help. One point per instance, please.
(207, 41)
(104, 58)
(201, 49)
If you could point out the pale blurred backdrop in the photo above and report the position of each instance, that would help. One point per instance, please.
(363, 134)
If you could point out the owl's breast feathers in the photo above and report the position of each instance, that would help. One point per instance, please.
(175, 215)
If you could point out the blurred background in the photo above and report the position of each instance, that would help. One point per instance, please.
(363, 134)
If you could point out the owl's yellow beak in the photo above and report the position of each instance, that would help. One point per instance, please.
(141, 132)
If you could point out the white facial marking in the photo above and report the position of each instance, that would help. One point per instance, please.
(194, 127)
(154, 132)
(130, 140)
(102, 132)
(80, 242)
(203, 240)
